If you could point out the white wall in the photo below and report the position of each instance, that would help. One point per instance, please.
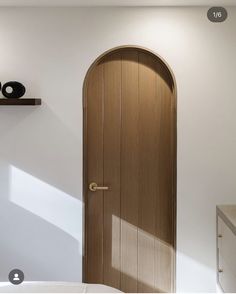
(41, 147)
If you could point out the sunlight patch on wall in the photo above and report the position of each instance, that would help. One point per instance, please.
(131, 254)
(46, 201)
(124, 258)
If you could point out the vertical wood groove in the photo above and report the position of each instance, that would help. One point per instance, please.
(103, 111)
(138, 171)
(129, 172)
(139, 175)
(112, 170)
(120, 165)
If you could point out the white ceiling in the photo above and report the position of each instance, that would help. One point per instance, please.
(117, 2)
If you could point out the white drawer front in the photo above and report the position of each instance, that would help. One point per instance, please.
(227, 257)
(227, 278)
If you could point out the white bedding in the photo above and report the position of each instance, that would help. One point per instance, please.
(55, 287)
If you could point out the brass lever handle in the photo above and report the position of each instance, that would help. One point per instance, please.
(94, 187)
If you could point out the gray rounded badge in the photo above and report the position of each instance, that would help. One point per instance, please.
(217, 14)
(16, 276)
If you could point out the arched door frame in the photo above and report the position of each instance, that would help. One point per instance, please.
(174, 138)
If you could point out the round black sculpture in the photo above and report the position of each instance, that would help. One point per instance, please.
(18, 90)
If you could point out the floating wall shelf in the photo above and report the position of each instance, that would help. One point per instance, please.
(21, 101)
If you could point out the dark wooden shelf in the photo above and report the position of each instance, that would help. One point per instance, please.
(21, 101)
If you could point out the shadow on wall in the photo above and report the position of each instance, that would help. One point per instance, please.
(40, 209)
(40, 229)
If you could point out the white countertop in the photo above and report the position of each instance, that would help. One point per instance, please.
(228, 213)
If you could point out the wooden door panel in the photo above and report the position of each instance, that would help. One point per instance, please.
(112, 130)
(148, 122)
(130, 147)
(164, 241)
(129, 171)
(94, 205)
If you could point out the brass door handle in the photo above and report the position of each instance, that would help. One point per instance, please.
(94, 187)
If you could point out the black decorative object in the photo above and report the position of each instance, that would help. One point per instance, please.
(18, 90)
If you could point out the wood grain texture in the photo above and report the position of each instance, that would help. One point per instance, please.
(134, 222)
(148, 122)
(164, 239)
(94, 205)
(129, 171)
(112, 130)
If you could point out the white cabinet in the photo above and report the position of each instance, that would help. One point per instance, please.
(226, 247)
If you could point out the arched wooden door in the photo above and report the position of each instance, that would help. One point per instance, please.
(130, 154)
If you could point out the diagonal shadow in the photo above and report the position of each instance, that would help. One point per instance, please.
(38, 233)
